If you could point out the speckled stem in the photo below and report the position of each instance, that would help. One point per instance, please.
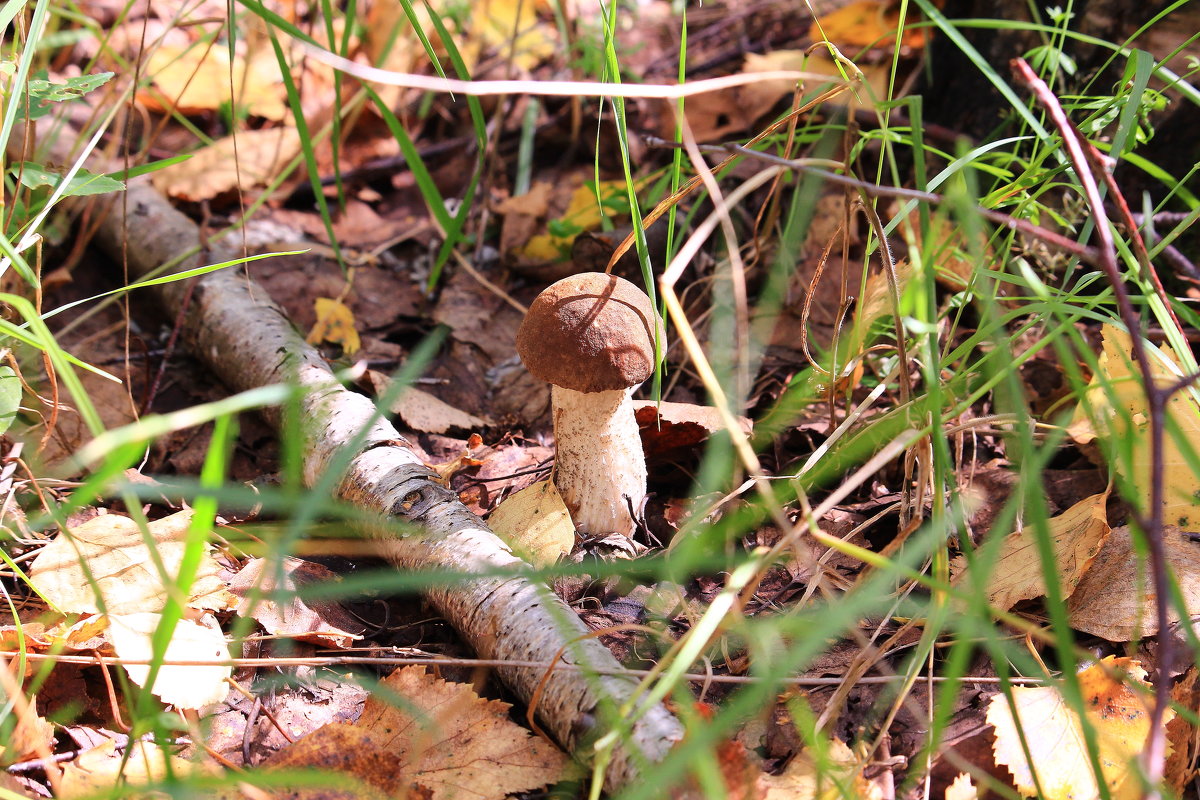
(244, 337)
(599, 466)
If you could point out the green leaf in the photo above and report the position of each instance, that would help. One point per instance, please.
(35, 176)
(43, 92)
(10, 397)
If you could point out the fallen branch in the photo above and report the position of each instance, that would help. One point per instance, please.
(245, 338)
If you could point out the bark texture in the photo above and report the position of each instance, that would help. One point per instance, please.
(245, 338)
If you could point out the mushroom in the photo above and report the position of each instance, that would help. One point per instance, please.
(592, 337)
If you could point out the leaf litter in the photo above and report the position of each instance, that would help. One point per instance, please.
(383, 307)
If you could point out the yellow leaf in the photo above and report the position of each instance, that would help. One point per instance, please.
(183, 686)
(512, 26)
(121, 567)
(1076, 535)
(335, 325)
(1117, 385)
(1053, 730)
(809, 777)
(962, 788)
(198, 78)
(535, 522)
(99, 770)
(583, 213)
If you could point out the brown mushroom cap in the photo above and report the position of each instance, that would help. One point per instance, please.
(590, 332)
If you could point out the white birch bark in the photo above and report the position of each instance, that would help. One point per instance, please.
(245, 339)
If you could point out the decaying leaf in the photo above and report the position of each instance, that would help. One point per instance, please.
(1077, 535)
(1118, 714)
(1129, 426)
(275, 604)
(99, 770)
(1115, 598)
(1180, 769)
(836, 773)
(444, 742)
(509, 27)
(669, 430)
(250, 160)
(180, 685)
(31, 736)
(335, 325)
(122, 569)
(535, 522)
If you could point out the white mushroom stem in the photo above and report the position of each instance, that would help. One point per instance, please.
(599, 464)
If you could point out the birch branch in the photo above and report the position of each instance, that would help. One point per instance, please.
(245, 338)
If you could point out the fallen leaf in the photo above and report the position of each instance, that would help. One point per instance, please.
(121, 568)
(962, 789)
(249, 160)
(195, 78)
(590, 204)
(334, 325)
(1115, 600)
(1117, 713)
(669, 430)
(443, 742)
(1117, 385)
(866, 23)
(272, 599)
(812, 777)
(421, 411)
(31, 734)
(183, 686)
(756, 99)
(1180, 769)
(510, 27)
(99, 771)
(1077, 535)
(535, 522)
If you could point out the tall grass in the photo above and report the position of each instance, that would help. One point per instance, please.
(966, 346)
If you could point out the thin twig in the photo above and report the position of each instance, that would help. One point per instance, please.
(1154, 756)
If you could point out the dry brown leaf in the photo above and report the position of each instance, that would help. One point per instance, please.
(97, 771)
(445, 741)
(1117, 713)
(669, 430)
(1115, 599)
(249, 160)
(756, 99)
(196, 78)
(535, 522)
(1180, 769)
(122, 567)
(32, 735)
(335, 325)
(354, 765)
(962, 789)
(1181, 506)
(318, 621)
(1077, 536)
(421, 411)
(183, 686)
(808, 777)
